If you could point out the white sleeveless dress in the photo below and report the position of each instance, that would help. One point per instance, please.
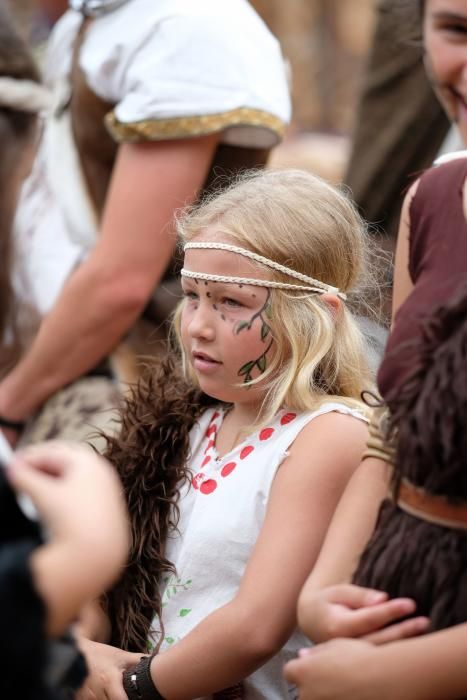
(221, 515)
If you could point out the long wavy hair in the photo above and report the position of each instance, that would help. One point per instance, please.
(408, 556)
(298, 220)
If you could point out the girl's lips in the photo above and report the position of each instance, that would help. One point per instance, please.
(204, 363)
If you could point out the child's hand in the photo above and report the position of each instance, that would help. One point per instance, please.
(80, 500)
(343, 669)
(346, 610)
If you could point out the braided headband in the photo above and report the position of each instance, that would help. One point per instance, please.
(311, 285)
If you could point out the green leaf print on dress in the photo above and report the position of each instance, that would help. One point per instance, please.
(173, 586)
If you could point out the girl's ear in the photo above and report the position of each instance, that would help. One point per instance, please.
(334, 303)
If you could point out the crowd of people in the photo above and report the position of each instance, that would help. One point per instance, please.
(252, 514)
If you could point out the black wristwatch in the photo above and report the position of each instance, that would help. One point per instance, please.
(138, 684)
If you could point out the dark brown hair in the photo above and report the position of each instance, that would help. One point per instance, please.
(150, 455)
(408, 556)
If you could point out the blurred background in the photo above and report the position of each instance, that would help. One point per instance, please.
(325, 42)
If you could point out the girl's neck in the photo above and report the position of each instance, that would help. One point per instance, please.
(235, 425)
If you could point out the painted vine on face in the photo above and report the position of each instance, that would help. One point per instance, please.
(261, 361)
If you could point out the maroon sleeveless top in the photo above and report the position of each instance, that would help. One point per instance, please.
(437, 263)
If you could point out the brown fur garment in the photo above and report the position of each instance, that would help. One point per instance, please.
(150, 454)
(408, 556)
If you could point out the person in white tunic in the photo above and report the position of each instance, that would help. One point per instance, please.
(149, 100)
(233, 470)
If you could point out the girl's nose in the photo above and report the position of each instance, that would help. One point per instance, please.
(202, 322)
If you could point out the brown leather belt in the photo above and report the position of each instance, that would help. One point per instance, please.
(432, 508)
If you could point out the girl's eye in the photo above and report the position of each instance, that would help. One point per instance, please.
(233, 303)
(456, 28)
(453, 27)
(190, 295)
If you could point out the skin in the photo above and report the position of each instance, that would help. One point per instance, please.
(445, 40)
(82, 556)
(430, 667)
(109, 290)
(262, 614)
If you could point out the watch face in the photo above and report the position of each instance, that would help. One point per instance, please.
(130, 685)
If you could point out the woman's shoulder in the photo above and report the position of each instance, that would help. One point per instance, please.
(155, 71)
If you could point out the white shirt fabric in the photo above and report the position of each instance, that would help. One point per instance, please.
(155, 60)
(221, 515)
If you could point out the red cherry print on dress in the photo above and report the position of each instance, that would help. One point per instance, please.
(288, 418)
(246, 451)
(197, 479)
(211, 430)
(266, 433)
(210, 444)
(215, 415)
(205, 461)
(208, 486)
(228, 468)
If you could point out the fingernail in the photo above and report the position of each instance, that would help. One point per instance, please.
(376, 597)
(305, 651)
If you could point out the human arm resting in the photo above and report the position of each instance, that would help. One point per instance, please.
(350, 529)
(427, 668)
(109, 290)
(237, 638)
(328, 605)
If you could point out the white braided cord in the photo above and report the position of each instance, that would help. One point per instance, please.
(249, 280)
(312, 285)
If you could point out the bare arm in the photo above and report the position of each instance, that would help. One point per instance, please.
(239, 637)
(109, 290)
(428, 668)
(355, 517)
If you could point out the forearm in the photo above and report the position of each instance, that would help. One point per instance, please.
(62, 584)
(85, 325)
(94, 623)
(222, 650)
(426, 668)
(352, 525)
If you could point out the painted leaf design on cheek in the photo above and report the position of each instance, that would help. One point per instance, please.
(240, 326)
(246, 368)
(260, 362)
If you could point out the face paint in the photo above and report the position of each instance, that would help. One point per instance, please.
(226, 335)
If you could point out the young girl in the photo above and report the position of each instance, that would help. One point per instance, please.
(233, 462)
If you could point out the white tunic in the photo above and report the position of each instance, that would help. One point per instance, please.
(173, 69)
(222, 513)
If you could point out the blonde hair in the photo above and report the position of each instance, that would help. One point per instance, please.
(301, 221)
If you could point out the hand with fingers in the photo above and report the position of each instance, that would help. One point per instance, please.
(346, 610)
(106, 665)
(344, 669)
(79, 498)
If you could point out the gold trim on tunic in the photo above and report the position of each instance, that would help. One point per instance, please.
(185, 127)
